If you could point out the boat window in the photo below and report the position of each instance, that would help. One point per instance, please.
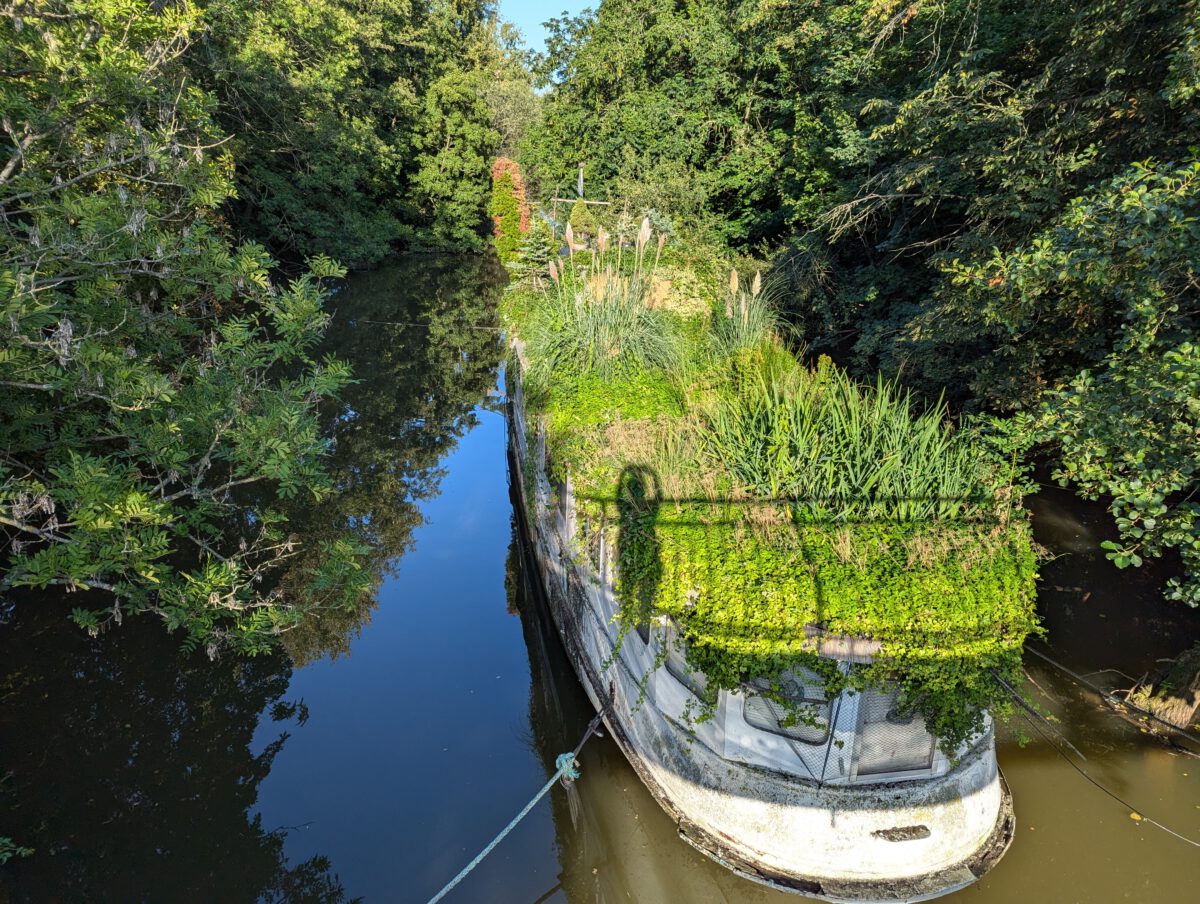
(804, 716)
(891, 738)
(677, 665)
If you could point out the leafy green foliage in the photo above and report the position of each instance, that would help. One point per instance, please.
(451, 183)
(537, 249)
(581, 219)
(509, 210)
(10, 849)
(948, 603)
(897, 158)
(597, 318)
(360, 126)
(160, 388)
(760, 505)
(1128, 426)
(750, 319)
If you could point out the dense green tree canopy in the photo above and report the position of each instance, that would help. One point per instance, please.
(167, 405)
(361, 126)
(140, 345)
(162, 385)
(987, 200)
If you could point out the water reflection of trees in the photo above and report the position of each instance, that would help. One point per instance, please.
(130, 765)
(132, 773)
(422, 337)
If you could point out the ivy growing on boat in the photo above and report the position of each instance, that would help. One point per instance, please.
(764, 505)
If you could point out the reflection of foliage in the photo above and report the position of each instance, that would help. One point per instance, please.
(421, 335)
(10, 849)
(139, 786)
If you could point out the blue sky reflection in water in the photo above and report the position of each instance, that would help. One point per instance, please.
(418, 742)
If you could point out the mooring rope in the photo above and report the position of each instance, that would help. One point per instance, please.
(566, 768)
(1111, 698)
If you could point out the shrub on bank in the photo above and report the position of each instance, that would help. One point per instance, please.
(508, 208)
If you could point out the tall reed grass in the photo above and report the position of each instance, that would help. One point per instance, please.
(595, 315)
(750, 317)
(839, 451)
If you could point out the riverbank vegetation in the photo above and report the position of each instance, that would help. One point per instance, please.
(163, 382)
(988, 203)
(761, 503)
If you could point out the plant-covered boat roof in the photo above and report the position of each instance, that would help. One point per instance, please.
(761, 503)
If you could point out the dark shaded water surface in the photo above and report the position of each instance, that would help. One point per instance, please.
(390, 744)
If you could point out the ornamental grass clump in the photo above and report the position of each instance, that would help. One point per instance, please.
(749, 319)
(595, 316)
(839, 451)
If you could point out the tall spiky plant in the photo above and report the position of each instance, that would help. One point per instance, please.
(595, 318)
(840, 451)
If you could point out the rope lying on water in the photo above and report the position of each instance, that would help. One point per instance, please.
(1134, 812)
(1035, 718)
(1112, 699)
(566, 768)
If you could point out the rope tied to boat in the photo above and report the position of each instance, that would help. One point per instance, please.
(566, 770)
(567, 766)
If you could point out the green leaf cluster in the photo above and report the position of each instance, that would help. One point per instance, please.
(508, 209)
(361, 127)
(160, 388)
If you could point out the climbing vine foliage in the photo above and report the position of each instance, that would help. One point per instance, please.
(509, 209)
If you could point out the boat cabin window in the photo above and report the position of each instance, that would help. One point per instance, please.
(803, 717)
(677, 665)
(890, 738)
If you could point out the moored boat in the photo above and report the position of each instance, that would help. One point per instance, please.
(797, 599)
(856, 801)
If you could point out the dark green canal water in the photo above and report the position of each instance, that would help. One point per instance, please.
(387, 746)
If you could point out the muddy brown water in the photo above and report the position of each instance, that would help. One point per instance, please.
(379, 754)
